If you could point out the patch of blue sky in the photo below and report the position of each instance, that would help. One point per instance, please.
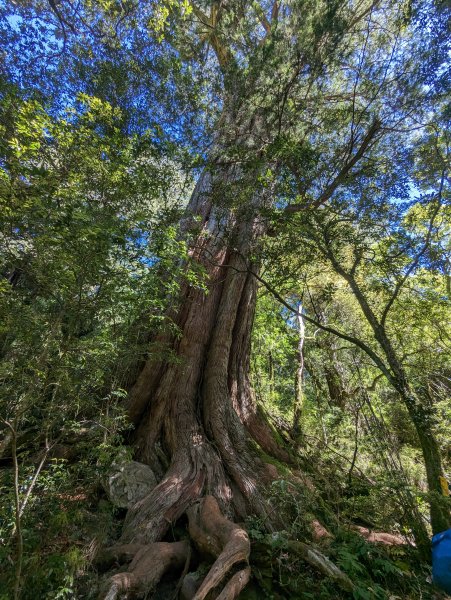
(14, 21)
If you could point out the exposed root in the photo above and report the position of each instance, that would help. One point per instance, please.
(235, 585)
(148, 566)
(321, 563)
(320, 533)
(381, 537)
(190, 585)
(120, 554)
(215, 535)
(150, 518)
(176, 594)
(194, 468)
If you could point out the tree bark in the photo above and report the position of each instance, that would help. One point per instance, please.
(197, 423)
(196, 420)
(299, 378)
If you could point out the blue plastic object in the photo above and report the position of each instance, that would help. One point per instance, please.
(441, 560)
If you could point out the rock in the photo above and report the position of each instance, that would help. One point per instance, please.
(129, 482)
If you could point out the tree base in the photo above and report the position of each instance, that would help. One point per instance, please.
(214, 536)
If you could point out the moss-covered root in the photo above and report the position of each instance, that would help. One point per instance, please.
(321, 563)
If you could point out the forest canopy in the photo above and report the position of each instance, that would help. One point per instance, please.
(224, 298)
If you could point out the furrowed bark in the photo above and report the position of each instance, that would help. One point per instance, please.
(216, 536)
(149, 564)
(199, 411)
(197, 422)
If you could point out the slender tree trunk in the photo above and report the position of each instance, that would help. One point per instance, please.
(337, 393)
(420, 415)
(299, 378)
(271, 375)
(422, 418)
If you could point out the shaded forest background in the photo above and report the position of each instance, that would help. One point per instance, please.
(336, 117)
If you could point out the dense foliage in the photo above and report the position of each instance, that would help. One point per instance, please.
(109, 110)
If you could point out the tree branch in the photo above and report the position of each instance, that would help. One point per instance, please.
(344, 336)
(223, 54)
(261, 16)
(416, 260)
(344, 171)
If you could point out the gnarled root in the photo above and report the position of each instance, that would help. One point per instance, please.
(147, 567)
(215, 535)
(120, 554)
(235, 585)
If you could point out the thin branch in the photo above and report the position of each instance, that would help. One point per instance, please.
(262, 17)
(417, 258)
(344, 171)
(364, 13)
(356, 446)
(344, 336)
(63, 22)
(274, 12)
(372, 387)
(35, 478)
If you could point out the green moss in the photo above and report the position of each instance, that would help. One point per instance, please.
(282, 468)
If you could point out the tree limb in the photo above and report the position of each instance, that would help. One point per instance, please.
(344, 171)
(371, 353)
(416, 260)
(223, 54)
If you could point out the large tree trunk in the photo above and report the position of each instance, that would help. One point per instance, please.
(197, 424)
